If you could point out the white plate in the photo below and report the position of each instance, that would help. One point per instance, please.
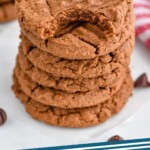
(21, 131)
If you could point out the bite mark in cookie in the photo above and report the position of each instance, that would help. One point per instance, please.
(108, 15)
(85, 41)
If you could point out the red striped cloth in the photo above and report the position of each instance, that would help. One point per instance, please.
(142, 12)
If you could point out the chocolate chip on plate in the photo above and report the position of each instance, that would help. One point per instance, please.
(115, 138)
(3, 116)
(142, 81)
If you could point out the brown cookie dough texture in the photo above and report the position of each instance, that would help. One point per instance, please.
(78, 68)
(80, 117)
(72, 69)
(58, 16)
(7, 11)
(85, 41)
(58, 98)
(67, 84)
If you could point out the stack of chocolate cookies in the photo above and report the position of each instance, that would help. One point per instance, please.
(72, 69)
(7, 10)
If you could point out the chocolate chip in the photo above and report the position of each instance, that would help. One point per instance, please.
(142, 81)
(3, 116)
(115, 138)
(46, 42)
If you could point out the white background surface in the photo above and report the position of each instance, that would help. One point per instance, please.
(21, 131)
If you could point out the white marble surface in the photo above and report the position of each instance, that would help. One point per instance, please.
(20, 131)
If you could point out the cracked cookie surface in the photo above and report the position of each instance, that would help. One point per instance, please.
(67, 84)
(78, 68)
(50, 96)
(76, 118)
(107, 15)
(85, 41)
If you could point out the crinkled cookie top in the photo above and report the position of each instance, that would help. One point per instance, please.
(47, 18)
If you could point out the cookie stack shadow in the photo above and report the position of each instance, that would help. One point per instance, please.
(7, 10)
(77, 73)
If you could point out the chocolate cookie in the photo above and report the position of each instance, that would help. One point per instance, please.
(76, 118)
(67, 84)
(58, 98)
(7, 11)
(78, 68)
(85, 41)
(58, 15)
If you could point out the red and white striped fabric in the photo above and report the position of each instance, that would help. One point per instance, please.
(142, 12)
